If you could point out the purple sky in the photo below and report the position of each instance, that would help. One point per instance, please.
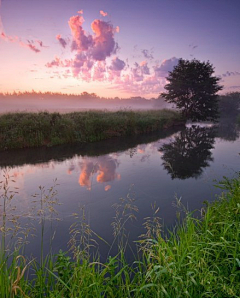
(114, 47)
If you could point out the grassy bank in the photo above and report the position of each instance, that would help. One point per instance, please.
(21, 130)
(201, 258)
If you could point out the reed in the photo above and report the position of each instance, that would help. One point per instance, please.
(199, 258)
(21, 130)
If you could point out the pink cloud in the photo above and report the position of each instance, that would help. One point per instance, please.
(29, 44)
(166, 66)
(81, 41)
(115, 70)
(104, 44)
(140, 70)
(91, 48)
(144, 68)
(80, 11)
(58, 62)
(61, 40)
(99, 71)
(104, 14)
(91, 60)
(41, 44)
(117, 64)
(98, 46)
(9, 38)
(82, 64)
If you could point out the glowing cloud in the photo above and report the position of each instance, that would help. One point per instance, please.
(91, 60)
(104, 14)
(81, 41)
(58, 62)
(91, 48)
(104, 43)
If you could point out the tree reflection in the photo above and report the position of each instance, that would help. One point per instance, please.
(228, 129)
(189, 153)
(229, 105)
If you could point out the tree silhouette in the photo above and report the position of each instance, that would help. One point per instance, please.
(189, 153)
(193, 89)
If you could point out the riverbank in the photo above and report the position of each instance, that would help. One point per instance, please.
(200, 258)
(25, 130)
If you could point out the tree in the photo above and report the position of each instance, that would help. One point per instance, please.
(193, 89)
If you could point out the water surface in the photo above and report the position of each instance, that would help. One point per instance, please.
(155, 168)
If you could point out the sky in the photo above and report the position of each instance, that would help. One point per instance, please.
(114, 48)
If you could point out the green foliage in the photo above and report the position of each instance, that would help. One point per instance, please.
(193, 89)
(200, 258)
(21, 130)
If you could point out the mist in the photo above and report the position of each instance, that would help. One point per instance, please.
(64, 103)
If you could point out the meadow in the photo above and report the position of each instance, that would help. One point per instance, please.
(200, 257)
(23, 130)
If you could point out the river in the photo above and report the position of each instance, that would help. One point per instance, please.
(139, 171)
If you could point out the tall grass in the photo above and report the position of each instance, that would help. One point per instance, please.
(199, 258)
(20, 130)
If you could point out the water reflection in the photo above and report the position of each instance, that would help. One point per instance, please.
(189, 153)
(105, 168)
(19, 157)
(108, 169)
(228, 129)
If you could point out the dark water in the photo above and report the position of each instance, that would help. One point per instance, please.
(142, 169)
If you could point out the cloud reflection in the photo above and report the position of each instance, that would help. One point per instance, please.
(104, 167)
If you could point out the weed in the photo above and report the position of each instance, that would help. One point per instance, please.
(21, 130)
(199, 258)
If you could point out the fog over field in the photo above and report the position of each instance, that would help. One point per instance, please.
(54, 102)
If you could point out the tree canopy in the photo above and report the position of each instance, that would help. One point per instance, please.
(193, 89)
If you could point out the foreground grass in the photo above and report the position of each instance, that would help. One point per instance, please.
(201, 258)
(20, 130)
